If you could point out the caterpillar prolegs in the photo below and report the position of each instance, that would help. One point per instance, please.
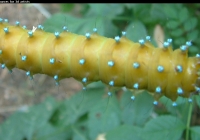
(116, 62)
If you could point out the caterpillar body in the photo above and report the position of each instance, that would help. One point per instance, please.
(116, 62)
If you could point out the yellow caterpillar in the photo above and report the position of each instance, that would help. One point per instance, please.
(116, 62)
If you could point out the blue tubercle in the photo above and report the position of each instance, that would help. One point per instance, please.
(136, 86)
(94, 30)
(117, 39)
(111, 63)
(166, 44)
(24, 58)
(30, 33)
(55, 77)
(158, 90)
(6, 30)
(123, 33)
(197, 89)
(179, 68)
(52, 60)
(6, 20)
(81, 61)
(132, 98)
(169, 40)
(3, 66)
(87, 35)
(1, 20)
(198, 55)
(160, 68)
(183, 48)
(174, 104)
(17, 23)
(148, 38)
(64, 28)
(180, 90)
(190, 100)
(84, 80)
(57, 34)
(24, 27)
(109, 93)
(155, 102)
(40, 27)
(141, 41)
(28, 73)
(111, 83)
(136, 65)
(188, 43)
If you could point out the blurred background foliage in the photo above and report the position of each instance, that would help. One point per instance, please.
(91, 114)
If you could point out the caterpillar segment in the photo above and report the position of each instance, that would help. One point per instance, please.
(116, 62)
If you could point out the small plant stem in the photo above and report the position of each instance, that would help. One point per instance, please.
(188, 121)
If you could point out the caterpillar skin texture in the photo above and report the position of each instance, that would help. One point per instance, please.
(116, 62)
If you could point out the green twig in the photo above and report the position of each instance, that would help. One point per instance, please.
(188, 121)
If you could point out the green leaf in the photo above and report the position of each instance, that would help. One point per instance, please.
(173, 24)
(105, 10)
(164, 128)
(138, 8)
(178, 42)
(190, 24)
(103, 117)
(66, 7)
(78, 134)
(193, 50)
(180, 111)
(125, 132)
(80, 25)
(183, 14)
(141, 11)
(49, 132)
(157, 12)
(79, 104)
(15, 132)
(136, 112)
(57, 21)
(177, 32)
(195, 132)
(136, 31)
(96, 85)
(197, 98)
(104, 26)
(91, 98)
(27, 122)
(170, 11)
(132, 5)
(193, 35)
